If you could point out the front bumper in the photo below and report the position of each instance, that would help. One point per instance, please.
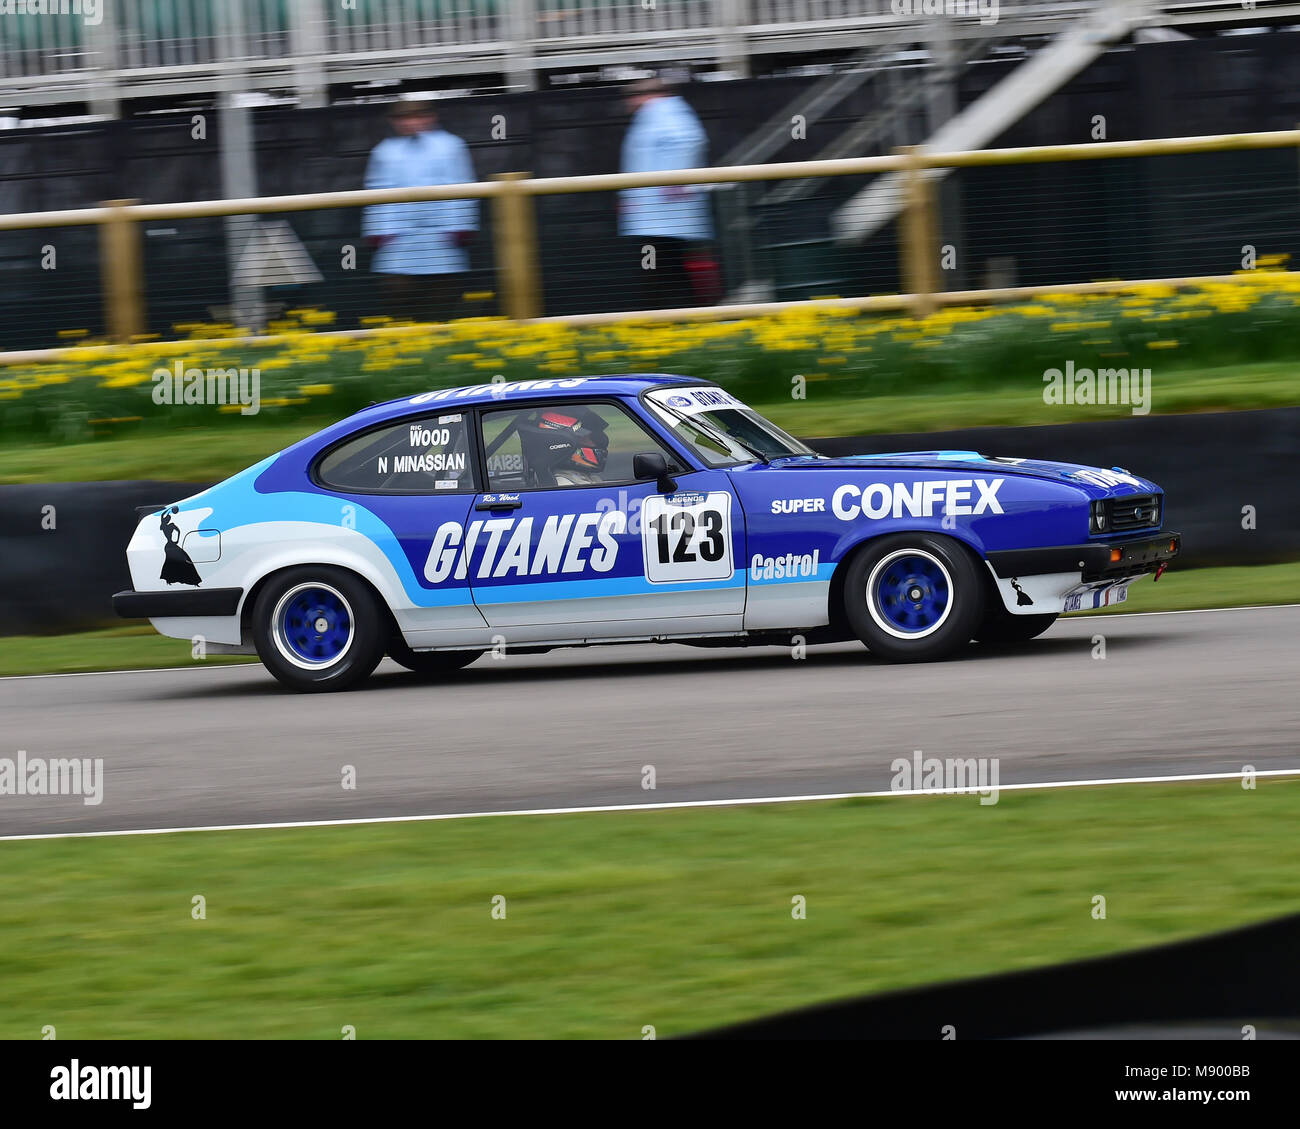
(1103, 560)
(176, 605)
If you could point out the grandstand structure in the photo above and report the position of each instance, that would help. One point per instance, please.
(107, 55)
(92, 91)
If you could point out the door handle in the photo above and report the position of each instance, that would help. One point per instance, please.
(499, 502)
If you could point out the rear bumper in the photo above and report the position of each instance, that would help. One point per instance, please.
(1103, 560)
(176, 605)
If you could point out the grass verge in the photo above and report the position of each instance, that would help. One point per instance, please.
(678, 919)
(132, 646)
(139, 647)
(218, 449)
(1231, 587)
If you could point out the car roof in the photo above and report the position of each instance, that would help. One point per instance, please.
(516, 391)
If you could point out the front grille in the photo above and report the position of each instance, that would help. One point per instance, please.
(1138, 511)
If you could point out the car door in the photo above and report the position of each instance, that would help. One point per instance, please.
(565, 554)
(415, 476)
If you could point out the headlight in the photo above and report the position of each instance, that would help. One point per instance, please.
(1097, 517)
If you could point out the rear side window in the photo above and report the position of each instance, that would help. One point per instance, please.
(429, 455)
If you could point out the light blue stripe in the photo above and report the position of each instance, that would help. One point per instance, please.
(625, 586)
(824, 572)
(591, 589)
(236, 502)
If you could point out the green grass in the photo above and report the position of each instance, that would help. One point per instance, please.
(139, 647)
(1019, 403)
(219, 448)
(195, 454)
(129, 646)
(1232, 587)
(677, 919)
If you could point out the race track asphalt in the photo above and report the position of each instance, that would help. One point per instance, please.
(1182, 693)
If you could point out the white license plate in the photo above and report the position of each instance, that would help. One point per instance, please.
(1092, 598)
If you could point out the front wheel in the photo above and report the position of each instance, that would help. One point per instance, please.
(318, 628)
(914, 597)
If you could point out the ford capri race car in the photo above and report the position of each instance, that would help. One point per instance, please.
(550, 513)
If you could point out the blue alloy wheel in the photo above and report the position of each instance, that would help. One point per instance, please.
(915, 597)
(313, 625)
(318, 627)
(909, 593)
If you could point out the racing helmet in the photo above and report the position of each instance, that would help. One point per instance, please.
(557, 439)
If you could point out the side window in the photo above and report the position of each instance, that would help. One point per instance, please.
(428, 455)
(565, 444)
(505, 460)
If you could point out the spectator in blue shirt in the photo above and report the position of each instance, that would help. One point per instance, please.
(421, 249)
(670, 226)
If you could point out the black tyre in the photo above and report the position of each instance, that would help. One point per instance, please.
(431, 663)
(319, 628)
(1000, 627)
(914, 597)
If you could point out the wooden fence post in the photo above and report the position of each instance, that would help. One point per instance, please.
(515, 232)
(121, 272)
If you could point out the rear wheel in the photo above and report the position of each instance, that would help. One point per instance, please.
(431, 663)
(318, 628)
(913, 597)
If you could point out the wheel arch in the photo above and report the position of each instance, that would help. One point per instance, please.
(835, 593)
(255, 590)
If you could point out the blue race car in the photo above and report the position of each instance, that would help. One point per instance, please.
(552, 513)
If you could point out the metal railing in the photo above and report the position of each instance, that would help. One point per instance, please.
(147, 48)
(515, 228)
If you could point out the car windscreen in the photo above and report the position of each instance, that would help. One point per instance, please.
(719, 428)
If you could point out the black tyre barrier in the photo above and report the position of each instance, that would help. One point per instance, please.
(62, 545)
(1211, 466)
(63, 550)
(1211, 987)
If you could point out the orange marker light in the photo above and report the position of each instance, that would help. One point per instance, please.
(1115, 555)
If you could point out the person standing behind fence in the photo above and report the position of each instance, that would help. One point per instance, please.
(670, 226)
(421, 249)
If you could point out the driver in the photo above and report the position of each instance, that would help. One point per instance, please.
(563, 449)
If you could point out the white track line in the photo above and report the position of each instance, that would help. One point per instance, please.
(1071, 618)
(132, 670)
(667, 806)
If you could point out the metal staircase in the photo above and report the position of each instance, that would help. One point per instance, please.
(1041, 75)
(885, 127)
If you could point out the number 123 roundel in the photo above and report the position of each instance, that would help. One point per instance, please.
(687, 536)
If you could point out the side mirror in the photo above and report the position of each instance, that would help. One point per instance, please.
(653, 465)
